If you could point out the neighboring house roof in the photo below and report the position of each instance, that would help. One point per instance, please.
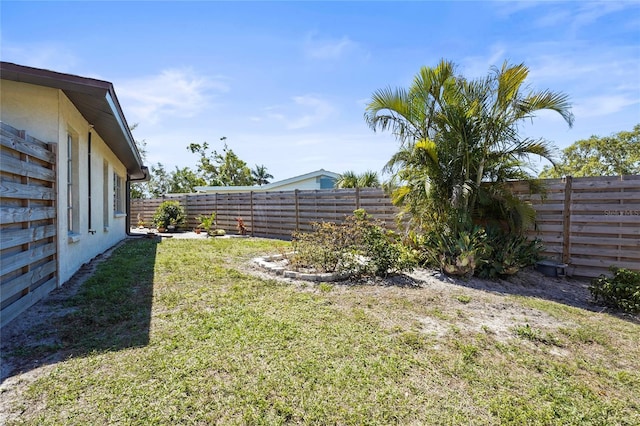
(97, 102)
(274, 186)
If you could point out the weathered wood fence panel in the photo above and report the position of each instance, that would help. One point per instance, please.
(588, 223)
(28, 246)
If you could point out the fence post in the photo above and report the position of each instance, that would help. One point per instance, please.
(566, 220)
(357, 198)
(295, 193)
(251, 209)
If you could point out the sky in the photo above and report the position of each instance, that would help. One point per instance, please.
(286, 83)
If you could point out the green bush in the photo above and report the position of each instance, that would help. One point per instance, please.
(169, 213)
(622, 291)
(455, 252)
(358, 247)
(506, 254)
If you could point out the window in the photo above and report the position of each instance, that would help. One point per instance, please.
(118, 194)
(73, 193)
(105, 195)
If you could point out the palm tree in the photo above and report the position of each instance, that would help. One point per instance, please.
(368, 179)
(350, 179)
(260, 175)
(456, 135)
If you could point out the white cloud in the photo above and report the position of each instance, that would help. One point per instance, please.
(328, 49)
(598, 106)
(46, 55)
(173, 92)
(303, 112)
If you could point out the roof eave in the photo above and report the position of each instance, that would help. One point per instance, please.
(96, 100)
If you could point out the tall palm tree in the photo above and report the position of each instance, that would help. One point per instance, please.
(350, 179)
(455, 135)
(260, 175)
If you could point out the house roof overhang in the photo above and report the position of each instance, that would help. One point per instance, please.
(97, 102)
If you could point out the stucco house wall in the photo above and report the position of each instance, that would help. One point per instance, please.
(48, 114)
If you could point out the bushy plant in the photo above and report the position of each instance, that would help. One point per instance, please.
(207, 223)
(169, 213)
(455, 252)
(507, 253)
(358, 247)
(621, 291)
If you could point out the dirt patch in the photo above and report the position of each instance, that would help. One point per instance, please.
(457, 305)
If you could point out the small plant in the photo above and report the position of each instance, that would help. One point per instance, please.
(505, 253)
(534, 335)
(621, 291)
(169, 213)
(140, 221)
(456, 252)
(463, 298)
(242, 229)
(207, 223)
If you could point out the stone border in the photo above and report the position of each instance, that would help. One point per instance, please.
(270, 263)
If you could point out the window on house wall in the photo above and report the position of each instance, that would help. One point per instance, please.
(73, 192)
(118, 194)
(105, 195)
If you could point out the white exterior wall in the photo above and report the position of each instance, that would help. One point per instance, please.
(47, 114)
(310, 183)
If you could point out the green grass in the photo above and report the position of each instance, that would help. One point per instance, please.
(176, 333)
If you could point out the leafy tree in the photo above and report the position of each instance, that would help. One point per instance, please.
(350, 179)
(618, 154)
(140, 189)
(456, 135)
(184, 180)
(221, 168)
(260, 175)
(160, 181)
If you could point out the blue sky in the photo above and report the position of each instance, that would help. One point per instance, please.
(287, 82)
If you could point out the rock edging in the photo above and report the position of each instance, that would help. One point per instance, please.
(276, 264)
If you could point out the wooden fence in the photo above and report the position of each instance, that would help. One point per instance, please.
(28, 244)
(588, 223)
(274, 214)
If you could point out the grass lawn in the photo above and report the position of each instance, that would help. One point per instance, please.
(176, 333)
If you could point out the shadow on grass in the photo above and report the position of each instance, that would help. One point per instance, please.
(572, 292)
(106, 306)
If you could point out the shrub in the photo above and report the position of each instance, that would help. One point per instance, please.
(169, 213)
(455, 252)
(207, 222)
(506, 254)
(358, 247)
(622, 291)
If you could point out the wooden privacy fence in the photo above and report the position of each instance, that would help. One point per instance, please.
(588, 223)
(274, 214)
(28, 248)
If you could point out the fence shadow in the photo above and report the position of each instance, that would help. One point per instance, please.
(572, 292)
(105, 306)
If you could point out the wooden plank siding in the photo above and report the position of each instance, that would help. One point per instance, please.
(28, 247)
(592, 226)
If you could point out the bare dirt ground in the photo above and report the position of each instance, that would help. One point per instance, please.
(489, 307)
